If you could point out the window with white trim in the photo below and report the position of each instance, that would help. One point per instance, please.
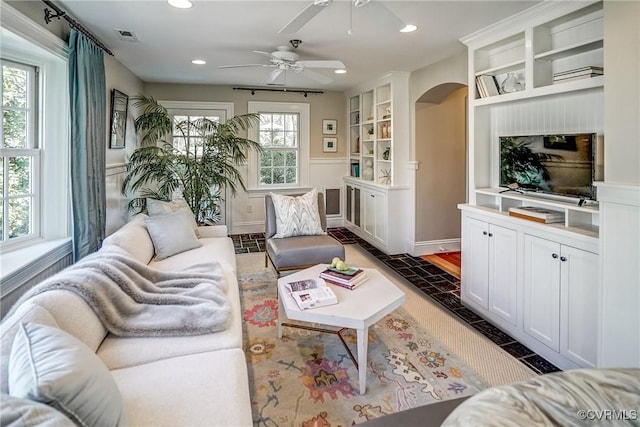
(20, 153)
(279, 138)
(283, 133)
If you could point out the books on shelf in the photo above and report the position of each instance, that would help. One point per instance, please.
(577, 73)
(311, 293)
(487, 85)
(543, 215)
(350, 280)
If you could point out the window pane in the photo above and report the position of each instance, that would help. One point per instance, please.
(278, 158)
(291, 139)
(265, 121)
(265, 159)
(14, 87)
(291, 175)
(265, 176)
(278, 175)
(179, 143)
(19, 217)
(14, 129)
(265, 138)
(19, 175)
(291, 158)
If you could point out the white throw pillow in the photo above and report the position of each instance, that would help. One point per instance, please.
(50, 366)
(160, 207)
(297, 216)
(133, 238)
(171, 234)
(15, 412)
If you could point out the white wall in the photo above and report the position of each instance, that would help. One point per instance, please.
(619, 196)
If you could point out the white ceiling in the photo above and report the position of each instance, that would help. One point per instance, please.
(227, 32)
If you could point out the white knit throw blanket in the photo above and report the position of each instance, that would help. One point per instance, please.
(133, 300)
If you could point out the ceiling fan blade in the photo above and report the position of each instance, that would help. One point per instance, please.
(302, 18)
(274, 74)
(321, 64)
(383, 16)
(262, 53)
(317, 76)
(244, 65)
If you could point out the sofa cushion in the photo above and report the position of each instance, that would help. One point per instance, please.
(50, 366)
(133, 238)
(27, 312)
(16, 412)
(204, 389)
(303, 250)
(159, 207)
(297, 216)
(120, 352)
(171, 234)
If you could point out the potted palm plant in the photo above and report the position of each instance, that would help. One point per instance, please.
(199, 170)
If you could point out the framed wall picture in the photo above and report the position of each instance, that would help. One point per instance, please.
(119, 107)
(329, 144)
(329, 127)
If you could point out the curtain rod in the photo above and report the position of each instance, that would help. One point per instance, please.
(305, 92)
(59, 13)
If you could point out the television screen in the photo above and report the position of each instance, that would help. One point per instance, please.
(555, 164)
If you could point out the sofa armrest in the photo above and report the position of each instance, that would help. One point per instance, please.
(213, 231)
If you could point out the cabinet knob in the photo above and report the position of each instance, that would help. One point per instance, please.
(490, 234)
(563, 258)
(372, 195)
(484, 233)
(554, 255)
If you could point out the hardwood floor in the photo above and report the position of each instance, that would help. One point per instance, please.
(448, 261)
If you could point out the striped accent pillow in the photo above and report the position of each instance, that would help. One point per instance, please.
(297, 216)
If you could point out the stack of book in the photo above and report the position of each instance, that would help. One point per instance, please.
(487, 85)
(577, 73)
(311, 293)
(532, 213)
(349, 279)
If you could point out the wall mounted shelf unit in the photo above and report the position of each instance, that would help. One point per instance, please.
(555, 50)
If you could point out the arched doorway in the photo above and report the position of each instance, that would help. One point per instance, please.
(441, 144)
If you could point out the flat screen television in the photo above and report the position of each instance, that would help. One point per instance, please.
(562, 164)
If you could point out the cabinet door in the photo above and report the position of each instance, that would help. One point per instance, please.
(579, 296)
(369, 200)
(349, 203)
(475, 261)
(502, 272)
(542, 290)
(356, 206)
(380, 227)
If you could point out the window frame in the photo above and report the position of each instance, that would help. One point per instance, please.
(30, 150)
(253, 159)
(282, 149)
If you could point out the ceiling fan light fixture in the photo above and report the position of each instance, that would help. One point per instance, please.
(409, 28)
(340, 71)
(360, 3)
(180, 4)
(322, 2)
(198, 61)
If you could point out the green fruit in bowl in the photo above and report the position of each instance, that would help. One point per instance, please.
(340, 265)
(335, 261)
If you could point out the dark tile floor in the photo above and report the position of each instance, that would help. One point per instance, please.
(440, 286)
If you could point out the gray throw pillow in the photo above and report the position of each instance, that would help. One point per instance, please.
(297, 216)
(50, 366)
(16, 412)
(171, 234)
(160, 207)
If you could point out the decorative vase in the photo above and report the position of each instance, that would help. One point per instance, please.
(386, 153)
(511, 84)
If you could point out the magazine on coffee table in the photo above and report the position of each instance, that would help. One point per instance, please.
(311, 293)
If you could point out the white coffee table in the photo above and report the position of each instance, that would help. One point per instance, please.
(356, 309)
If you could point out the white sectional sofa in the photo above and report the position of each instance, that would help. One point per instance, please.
(198, 380)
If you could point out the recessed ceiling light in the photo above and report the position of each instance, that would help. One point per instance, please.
(181, 4)
(199, 61)
(340, 71)
(408, 28)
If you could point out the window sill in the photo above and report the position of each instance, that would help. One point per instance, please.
(17, 264)
(261, 192)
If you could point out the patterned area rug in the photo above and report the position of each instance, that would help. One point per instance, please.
(307, 378)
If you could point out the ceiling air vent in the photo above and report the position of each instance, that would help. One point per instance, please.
(126, 35)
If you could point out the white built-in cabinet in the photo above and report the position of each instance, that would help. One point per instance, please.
(376, 183)
(491, 267)
(538, 282)
(561, 294)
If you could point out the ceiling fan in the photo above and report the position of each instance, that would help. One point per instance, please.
(380, 12)
(284, 58)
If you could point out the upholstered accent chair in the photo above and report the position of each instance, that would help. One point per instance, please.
(298, 252)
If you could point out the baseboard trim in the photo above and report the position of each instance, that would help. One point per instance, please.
(435, 246)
